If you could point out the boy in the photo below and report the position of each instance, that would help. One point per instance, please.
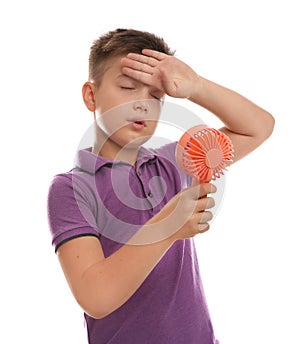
(123, 220)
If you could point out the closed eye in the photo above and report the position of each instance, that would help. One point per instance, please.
(158, 95)
(157, 98)
(128, 87)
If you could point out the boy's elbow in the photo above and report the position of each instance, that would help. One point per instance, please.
(98, 302)
(266, 128)
(96, 314)
(270, 125)
(94, 310)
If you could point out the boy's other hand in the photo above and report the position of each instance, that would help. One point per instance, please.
(162, 71)
(191, 209)
(184, 216)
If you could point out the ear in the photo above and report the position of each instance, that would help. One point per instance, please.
(88, 95)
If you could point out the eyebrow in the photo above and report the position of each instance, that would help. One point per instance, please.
(123, 76)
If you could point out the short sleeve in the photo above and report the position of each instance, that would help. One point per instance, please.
(69, 214)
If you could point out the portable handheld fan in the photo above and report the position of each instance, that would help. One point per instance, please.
(204, 152)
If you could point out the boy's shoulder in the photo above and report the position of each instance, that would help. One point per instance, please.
(61, 179)
(60, 185)
(166, 150)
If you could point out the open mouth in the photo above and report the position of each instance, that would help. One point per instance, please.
(138, 123)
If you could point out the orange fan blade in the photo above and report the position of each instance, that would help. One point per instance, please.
(204, 153)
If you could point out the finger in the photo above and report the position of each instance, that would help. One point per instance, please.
(136, 65)
(204, 217)
(154, 53)
(143, 59)
(143, 77)
(201, 190)
(203, 228)
(205, 203)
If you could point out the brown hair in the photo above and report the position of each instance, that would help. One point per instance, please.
(121, 42)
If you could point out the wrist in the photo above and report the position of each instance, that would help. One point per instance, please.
(156, 230)
(198, 89)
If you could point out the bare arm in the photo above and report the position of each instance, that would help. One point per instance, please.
(245, 123)
(101, 285)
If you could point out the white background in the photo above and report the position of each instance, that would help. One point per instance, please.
(250, 257)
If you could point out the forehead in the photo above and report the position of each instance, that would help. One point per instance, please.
(113, 71)
(113, 66)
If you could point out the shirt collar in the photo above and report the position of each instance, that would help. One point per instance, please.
(91, 163)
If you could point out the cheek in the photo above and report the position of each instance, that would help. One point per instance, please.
(154, 109)
(112, 120)
(109, 123)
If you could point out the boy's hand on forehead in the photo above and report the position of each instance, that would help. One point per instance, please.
(162, 71)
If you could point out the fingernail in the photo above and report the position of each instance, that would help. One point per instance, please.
(213, 188)
(211, 203)
(203, 227)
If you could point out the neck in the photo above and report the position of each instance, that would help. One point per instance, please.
(105, 147)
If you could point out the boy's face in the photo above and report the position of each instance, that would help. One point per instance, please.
(126, 110)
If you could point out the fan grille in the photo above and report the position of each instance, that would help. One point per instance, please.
(205, 153)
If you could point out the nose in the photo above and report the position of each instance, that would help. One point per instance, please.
(141, 106)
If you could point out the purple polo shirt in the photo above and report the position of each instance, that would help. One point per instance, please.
(112, 200)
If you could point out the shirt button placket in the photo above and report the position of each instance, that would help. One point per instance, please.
(150, 194)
